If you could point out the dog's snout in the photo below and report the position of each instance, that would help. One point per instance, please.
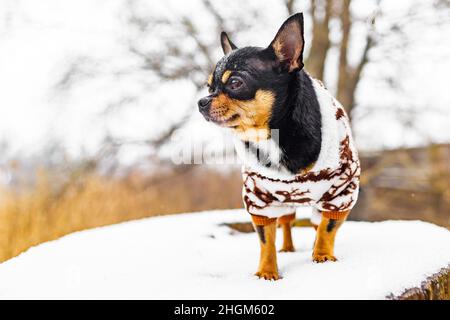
(204, 103)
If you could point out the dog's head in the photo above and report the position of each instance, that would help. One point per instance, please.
(249, 83)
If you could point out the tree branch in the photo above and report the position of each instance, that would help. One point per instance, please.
(320, 43)
(289, 6)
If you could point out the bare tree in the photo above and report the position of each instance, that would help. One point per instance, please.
(320, 42)
(183, 54)
(350, 76)
(321, 13)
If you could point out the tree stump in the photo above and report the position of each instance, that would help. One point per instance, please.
(435, 287)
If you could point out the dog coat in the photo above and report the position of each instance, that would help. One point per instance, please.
(330, 186)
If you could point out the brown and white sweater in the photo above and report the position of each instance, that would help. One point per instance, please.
(331, 185)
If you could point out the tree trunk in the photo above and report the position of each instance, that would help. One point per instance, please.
(344, 94)
(320, 43)
(349, 76)
(290, 6)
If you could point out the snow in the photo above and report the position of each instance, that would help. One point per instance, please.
(193, 256)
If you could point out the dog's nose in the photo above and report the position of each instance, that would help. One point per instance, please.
(204, 103)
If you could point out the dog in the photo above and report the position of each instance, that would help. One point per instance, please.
(294, 138)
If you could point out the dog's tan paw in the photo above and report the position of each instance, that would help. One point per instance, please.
(319, 258)
(287, 249)
(268, 275)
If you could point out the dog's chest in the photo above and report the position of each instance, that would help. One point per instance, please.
(263, 156)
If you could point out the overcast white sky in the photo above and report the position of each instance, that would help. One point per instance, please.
(39, 38)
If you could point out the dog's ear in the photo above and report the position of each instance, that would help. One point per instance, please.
(288, 44)
(227, 45)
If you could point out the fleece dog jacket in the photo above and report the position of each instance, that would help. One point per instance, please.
(331, 186)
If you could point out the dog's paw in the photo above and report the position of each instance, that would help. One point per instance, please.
(319, 258)
(268, 275)
(287, 249)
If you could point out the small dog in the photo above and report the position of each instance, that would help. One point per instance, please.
(294, 139)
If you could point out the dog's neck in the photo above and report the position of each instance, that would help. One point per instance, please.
(296, 142)
(300, 128)
(297, 118)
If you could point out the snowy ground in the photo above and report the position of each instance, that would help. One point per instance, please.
(191, 256)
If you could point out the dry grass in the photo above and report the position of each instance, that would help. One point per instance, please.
(42, 213)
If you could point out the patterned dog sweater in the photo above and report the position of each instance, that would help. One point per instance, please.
(331, 185)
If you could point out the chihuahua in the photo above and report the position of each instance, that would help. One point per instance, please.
(293, 137)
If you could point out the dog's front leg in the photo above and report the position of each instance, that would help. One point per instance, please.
(266, 230)
(326, 234)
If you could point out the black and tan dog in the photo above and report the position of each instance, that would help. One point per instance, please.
(294, 139)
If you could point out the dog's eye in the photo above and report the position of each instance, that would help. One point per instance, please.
(235, 83)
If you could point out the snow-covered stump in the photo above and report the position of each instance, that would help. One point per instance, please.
(435, 287)
(196, 256)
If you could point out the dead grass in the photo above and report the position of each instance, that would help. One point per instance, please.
(43, 213)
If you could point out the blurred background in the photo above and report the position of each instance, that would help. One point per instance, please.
(97, 96)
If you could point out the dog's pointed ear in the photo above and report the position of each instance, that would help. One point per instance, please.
(227, 45)
(288, 44)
